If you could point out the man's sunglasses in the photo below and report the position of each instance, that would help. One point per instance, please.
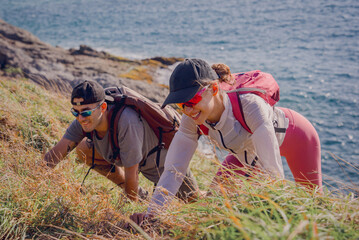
(85, 113)
(196, 99)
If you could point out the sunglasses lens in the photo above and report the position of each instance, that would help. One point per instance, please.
(196, 99)
(75, 113)
(180, 105)
(86, 113)
(189, 104)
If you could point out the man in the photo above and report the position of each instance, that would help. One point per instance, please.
(135, 139)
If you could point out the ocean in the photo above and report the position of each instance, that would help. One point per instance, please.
(310, 47)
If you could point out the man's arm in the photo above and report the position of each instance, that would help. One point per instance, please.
(59, 152)
(131, 182)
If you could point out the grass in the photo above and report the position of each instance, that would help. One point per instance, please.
(36, 203)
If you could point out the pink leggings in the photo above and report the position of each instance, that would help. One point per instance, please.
(301, 148)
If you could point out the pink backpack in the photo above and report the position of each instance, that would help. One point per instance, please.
(256, 82)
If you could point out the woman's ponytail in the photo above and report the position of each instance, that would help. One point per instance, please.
(223, 72)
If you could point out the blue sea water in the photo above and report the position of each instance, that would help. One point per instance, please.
(310, 47)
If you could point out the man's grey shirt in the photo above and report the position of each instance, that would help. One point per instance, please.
(136, 139)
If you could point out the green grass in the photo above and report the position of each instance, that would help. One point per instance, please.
(36, 203)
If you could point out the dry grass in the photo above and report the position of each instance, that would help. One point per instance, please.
(38, 203)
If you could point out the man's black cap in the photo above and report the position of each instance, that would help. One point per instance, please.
(90, 91)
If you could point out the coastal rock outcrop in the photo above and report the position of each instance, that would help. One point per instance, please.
(58, 69)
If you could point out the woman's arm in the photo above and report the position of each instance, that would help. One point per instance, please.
(259, 115)
(178, 157)
(266, 145)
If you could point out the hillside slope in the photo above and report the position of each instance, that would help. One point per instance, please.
(39, 203)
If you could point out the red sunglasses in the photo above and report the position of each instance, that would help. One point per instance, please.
(196, 99)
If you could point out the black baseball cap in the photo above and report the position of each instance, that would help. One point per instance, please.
(186, 80)
(90, 91)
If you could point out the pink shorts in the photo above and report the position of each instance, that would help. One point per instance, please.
(301, 148)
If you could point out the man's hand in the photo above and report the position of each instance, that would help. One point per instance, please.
(59, 152)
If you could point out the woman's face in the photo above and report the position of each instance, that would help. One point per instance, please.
(203, 110)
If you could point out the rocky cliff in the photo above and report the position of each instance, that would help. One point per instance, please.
(58, 69)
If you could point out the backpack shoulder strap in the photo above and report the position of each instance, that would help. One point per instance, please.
(238, 110)
(89, 136)
(113, 118)
(202, 130)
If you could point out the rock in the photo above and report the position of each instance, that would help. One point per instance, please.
(58, 69)
(167, 61)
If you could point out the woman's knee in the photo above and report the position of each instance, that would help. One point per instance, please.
(229, 165)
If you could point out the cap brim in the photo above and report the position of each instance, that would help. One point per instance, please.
(181, 96)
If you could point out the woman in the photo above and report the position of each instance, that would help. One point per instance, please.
(194, 87)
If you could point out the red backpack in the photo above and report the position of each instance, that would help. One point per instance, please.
(164, 122)
(256, 82)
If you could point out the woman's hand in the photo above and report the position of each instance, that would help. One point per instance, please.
(139, 218)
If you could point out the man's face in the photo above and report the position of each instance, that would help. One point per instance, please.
(92, 114)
